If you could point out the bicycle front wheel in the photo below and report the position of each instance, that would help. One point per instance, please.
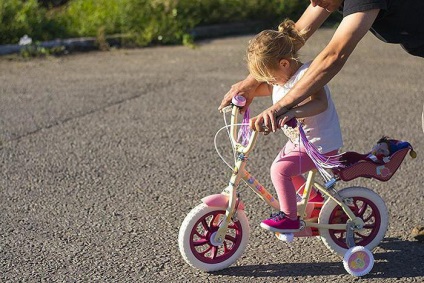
(196, 236)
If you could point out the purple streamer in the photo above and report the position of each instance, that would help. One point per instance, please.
(320, 160)
(244, 131)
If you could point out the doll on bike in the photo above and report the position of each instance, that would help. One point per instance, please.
(273, 61)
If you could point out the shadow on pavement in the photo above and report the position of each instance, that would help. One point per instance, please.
(285, 270)
(400, 259)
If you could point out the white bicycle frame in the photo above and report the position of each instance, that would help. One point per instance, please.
(239, 173)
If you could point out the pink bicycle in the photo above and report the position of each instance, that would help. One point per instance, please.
(351, 221)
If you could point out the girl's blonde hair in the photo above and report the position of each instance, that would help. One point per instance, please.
(267, 48)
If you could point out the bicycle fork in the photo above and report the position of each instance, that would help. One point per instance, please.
(233, 202)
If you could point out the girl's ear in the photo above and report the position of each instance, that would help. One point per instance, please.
(284, 63)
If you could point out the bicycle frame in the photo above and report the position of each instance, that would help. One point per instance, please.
(239, 173)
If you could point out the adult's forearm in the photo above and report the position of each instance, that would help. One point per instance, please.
(331, 60)
(320, 72)
(311, 20)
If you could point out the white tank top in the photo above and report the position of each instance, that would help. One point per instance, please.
(322, 130)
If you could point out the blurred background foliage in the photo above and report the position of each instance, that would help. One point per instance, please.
(139, 22)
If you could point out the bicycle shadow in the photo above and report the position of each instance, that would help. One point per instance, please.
(395, 258)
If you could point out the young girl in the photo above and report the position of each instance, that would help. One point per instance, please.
(273, 60)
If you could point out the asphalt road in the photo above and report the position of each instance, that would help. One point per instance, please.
(103, 154)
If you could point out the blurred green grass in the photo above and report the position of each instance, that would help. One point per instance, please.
(141, 22)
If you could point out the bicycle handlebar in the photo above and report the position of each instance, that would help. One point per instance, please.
(237, 103)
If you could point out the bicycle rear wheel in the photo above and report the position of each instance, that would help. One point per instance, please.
(367, 205)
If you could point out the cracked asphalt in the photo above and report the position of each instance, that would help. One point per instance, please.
(102, 155)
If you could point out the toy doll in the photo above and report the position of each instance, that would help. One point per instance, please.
(384, 148)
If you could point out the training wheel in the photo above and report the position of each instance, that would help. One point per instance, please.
(358, 261)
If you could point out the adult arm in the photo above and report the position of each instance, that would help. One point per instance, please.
(313, 105)
(310, 21)
(325, 66)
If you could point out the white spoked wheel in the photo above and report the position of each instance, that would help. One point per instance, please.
(196, 238)
(364, 203)
(358, 261)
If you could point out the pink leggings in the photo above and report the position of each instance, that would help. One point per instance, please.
(286, 175)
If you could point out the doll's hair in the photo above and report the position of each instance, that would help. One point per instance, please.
(268, 47)
(383, 139)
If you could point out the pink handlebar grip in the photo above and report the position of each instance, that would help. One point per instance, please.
(239, 101)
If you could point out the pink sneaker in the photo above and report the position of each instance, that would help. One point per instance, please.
(279, 222)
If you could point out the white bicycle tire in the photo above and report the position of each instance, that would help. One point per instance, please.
(351, 192)
(185, 238)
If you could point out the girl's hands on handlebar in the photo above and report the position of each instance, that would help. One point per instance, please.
(286, 118)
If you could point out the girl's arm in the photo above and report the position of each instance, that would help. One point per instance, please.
(263, 89)
(314, 105)
(251, 89)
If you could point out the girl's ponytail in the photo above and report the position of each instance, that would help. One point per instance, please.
(287, 27)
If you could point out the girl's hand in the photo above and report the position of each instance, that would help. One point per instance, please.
(285, 118)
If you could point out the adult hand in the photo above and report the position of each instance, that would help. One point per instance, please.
(266, 122)
(256, 124)
(244, 88)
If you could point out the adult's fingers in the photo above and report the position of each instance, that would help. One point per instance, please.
(256, 123)
(234, 90)
(226, 100)
(269, 120)
(266, 123)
